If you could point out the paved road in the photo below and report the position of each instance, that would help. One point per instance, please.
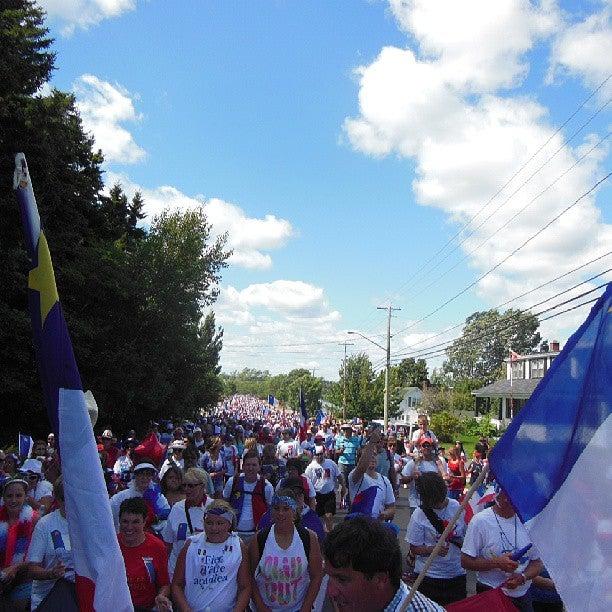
(402, 516)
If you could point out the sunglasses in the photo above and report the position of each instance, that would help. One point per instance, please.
(32, 477)
(191, 485)
(425, 445)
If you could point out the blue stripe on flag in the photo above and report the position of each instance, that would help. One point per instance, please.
(534, 457)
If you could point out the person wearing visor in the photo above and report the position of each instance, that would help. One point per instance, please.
(186, 516)
(285, 559)
(176, 459)
(212, 569)
(142, 485)
(40, 491)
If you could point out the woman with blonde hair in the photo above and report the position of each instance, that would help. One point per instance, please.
(212, 570)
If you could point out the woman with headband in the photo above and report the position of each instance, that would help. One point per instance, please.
(285, 560)
(212, 570)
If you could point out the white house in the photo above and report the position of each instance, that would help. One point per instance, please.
(523, 374)
(409, 406)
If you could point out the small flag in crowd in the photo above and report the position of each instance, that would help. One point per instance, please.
(25, 446)
(303, 417)
(554, 462)
(100, 575)
(271, 400)
(319, 416)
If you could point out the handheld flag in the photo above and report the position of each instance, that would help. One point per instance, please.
(303, 417)
(90, 523)
(151, 448)
(271, 400)
(553, 459)
(25, 446)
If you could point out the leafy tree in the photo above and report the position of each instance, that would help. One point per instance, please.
(411, 372)
(132, 297)
(446, 425)
(485, 341)
(364, 391)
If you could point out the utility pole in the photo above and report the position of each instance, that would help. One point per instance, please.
(345, 344)
(389, 310)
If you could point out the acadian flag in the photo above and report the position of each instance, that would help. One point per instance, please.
(271, 400)
(25, 445)
(555, 463)
(303, 417)
(100, 574)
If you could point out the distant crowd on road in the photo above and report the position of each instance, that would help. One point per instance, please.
(250, 508)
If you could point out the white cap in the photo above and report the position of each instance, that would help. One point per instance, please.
(107, 433)
(145, 466)
(178, 444)
(31, 465)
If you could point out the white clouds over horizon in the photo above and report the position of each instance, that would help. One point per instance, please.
(83, 14)
(447, 103)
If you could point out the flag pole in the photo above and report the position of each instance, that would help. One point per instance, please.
(442, 539)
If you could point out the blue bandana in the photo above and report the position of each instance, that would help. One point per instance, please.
(284, 500)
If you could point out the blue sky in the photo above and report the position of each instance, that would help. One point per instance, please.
(342, 144)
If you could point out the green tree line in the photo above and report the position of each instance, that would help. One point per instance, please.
(132, 294)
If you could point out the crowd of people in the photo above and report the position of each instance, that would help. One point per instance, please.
(249, 508)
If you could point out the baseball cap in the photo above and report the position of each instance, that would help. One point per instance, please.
(293, 483)
(107, 433)
(178, 445)
(425, 440)
(31, 465)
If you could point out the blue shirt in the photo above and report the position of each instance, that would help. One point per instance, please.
(350, 445)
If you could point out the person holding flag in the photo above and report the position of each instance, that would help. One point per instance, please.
(498, 547)
(370, 493)
(87, 506)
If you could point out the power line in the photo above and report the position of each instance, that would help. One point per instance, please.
(427, 352)
(511, 254)
(512, 177)
(508, 221)
(527, 293)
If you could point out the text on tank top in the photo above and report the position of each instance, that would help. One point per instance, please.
(282, 575)
(211, 573)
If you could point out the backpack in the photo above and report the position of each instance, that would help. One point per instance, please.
(262, 537)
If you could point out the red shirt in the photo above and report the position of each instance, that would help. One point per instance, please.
(146, 567)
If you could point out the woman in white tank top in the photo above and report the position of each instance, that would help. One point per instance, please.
(285, 577)
(212, 571)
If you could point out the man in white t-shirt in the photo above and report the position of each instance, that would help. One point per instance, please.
(50, 553)
(324, 475)
(492, 537)
(287, 448)
(249, 494)
(423, 430)
(370, 493)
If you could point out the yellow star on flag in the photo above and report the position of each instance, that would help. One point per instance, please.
(42, 279)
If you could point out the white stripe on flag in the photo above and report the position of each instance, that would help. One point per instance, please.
(92, 533)
(574, 531)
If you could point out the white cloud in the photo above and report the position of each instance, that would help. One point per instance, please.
(439, 104)
(279, 326)
(103, 108)
(477, 44)
(83, 14)
(249, 237)
(584, 49)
